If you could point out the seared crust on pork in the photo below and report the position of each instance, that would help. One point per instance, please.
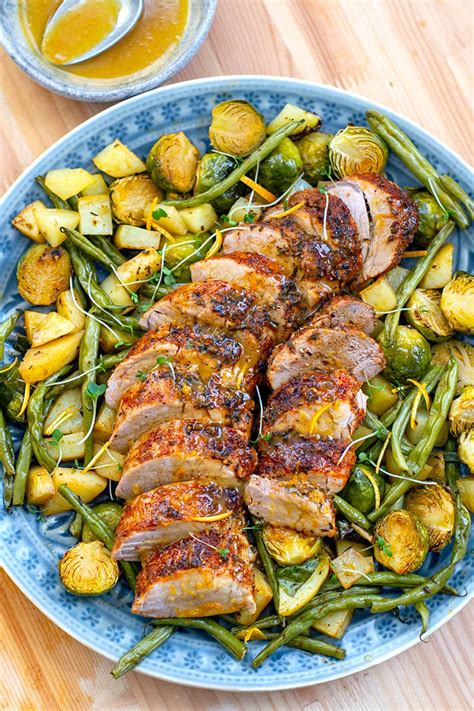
(344, 312)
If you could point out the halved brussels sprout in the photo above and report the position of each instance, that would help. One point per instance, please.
(289, 547)
(109, 512)
(433, 505)
(172, 163)
(356, 149)
(466, 449)
(359, 491)
(431, 215)
(236, 127)
(131, 197)
(426, 316)
(463, 353)
(461, 412)
(407, 356)
(43, 273)
(298, 584)
(281, 168)
(212, 169)
(314, 153)
(457, 302)
(88, 569)
(401, 542)
(186, 247)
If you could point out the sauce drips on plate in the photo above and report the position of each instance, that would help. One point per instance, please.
(158, 31)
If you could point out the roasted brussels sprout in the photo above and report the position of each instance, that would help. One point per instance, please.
(289, 547)
(380, 395)
(212, 169)
(109, 512)
(457, 302)
(359, 491)
(407, 356)
(186, 247)
(461, 412)
(466, 490)
(466, 449)
(433, 505)
(426, 316)
(356, 149)
(131, 197)
(314, 153)
(43, 273)
(401, 542)
(88, 569)
(172, 162)
(236, 127)
(432, 217)
(464, 354)
(281, 168)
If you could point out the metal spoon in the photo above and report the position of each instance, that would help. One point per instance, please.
(129, 14)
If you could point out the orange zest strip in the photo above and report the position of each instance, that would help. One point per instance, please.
(289, 211)
(414, 254)
(9, 367)
(149, 217)
(211, 519)
(95, 458)
(382, 452)
(317, 415)
(26, 397)
(216, 245)
(68, 412)
(375, 486)
(422, 393)
(266, 194)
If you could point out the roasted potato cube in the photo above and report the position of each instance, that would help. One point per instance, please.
(440, 271)
(50, 220)
(39, 363)
(66, 306)
(67, 182)
(200, 218)
(27, 224)
(130, 237)
(110, 463)
(263, 594)
(65, 413)
(109, 341)
(43, 273)
(68, 448)
(380, 295)
(97, 187)
(33, 320)
(52, 327)
(39, 487)
(131, 273)
(87, 486)
(334, 624)
(118, 161)
(95, 215)
(351, 566)
(104, 423)
(170, 219)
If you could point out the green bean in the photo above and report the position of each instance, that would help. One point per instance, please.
(129, 323)
(89, 249)
(98, 528)
(36, 417)
(409, 154)
(300, 624)
(386, 578)
(451, 469)
(413, 278)
(22, 469)
(55, 199)
(234, 646)
(262, 152)
(75, 529)
(264, 623)
(109, 249)
(419, 455)
(7, 458)
(430, 380)
(457, 193)
(389, 417)
(88, 353)
(72, 383)
(268, 565)
(423, 611)
(6, 327)
(110, 361)
(352, 514)
(86, 277)
(140, 650)
(314, 646)
(372, 421)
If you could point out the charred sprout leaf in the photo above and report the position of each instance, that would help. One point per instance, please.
(356, 149)
(433, 505)
(407, 356)
(289, 547)
(88, 569)
(281, 168)
(314, 152)
(405, 537)
(298, 584)
(457, 302)
(131, 197)
(463, 353)
(236, 127)
(43, 273)
(461, 413)
(172, 163)
(426, 316)
(432, 216)
(212, 169)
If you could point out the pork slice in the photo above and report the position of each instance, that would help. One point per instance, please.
(342, 312)
(353, 197)
(182, 450)
(278, 239)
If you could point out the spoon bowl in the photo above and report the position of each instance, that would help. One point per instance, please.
(129, 12)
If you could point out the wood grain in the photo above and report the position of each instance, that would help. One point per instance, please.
(415, 56)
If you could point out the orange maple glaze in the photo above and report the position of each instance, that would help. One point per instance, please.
(159, 30)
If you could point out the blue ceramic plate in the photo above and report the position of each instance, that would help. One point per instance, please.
(31, 548)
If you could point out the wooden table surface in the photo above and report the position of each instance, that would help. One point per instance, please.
(415, 56)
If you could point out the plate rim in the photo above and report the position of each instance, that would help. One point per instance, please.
(329, 90)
